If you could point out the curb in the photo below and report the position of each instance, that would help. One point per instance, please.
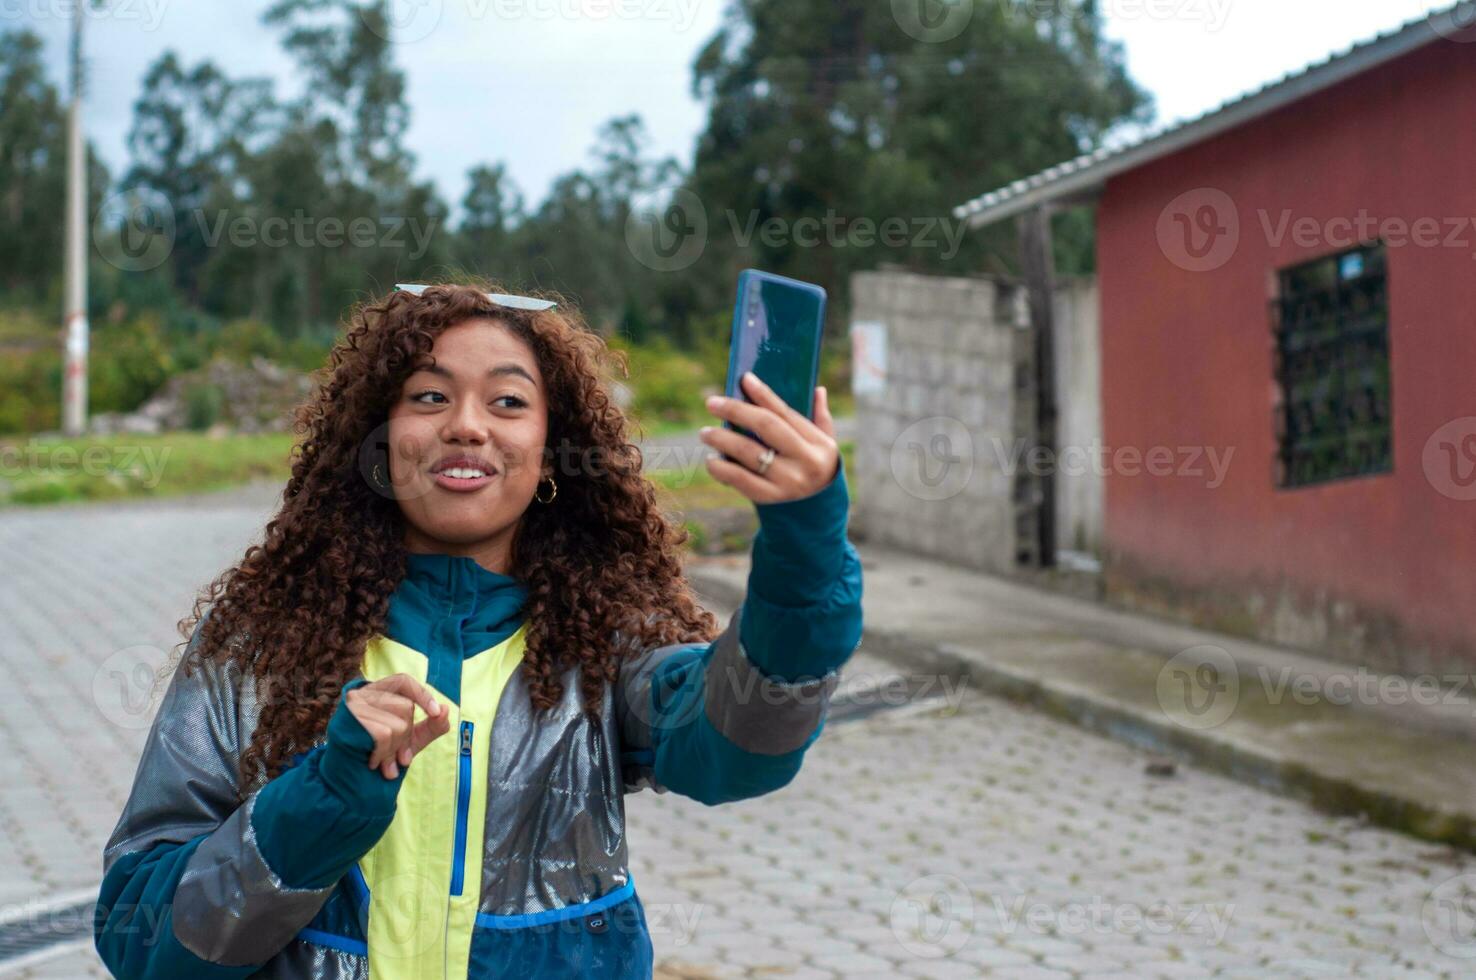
(1144, 730)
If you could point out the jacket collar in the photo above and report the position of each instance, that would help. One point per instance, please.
(449, 606)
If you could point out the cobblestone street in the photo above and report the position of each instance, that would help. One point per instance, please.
(929, 840)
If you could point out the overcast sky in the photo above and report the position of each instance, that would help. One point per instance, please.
(529, 81)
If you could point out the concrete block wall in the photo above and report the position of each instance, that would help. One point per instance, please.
(934, 445)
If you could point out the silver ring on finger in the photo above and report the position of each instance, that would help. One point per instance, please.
(766, 459)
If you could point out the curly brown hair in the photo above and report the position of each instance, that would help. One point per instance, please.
(298, 609)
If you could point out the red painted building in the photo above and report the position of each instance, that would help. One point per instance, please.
(1289, 283)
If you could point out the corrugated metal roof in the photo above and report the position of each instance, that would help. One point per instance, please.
(1086, 174)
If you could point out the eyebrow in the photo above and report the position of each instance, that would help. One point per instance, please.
(498, 371)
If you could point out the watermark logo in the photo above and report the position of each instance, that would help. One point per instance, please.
(1449, 916)
(403, 903)
(1199, 687)
(147, 13)
(1199, 231)
(1449, 459)
(1210, 464)
(834, 230)
(1456, 24)
(1213, 14)
(126, 686)
(933, 21)
(1101, 917)
(405, 21)
(933, 916)
(933, 458)
(666, 229)
(303, 230)
(134, 229)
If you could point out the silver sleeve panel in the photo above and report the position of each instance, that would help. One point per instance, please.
(755, 712)
(229, 907)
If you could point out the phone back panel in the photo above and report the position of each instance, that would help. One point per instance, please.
(777, 323)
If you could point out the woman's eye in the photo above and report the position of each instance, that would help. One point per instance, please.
(428, 398)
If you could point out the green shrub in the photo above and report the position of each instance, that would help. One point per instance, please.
(127, 364)
(666, 383)
(241, 340)
(204, 404)
(30, 389)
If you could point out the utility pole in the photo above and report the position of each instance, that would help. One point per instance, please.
(74, 377)
(1039, 269)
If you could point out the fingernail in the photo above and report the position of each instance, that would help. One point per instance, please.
(705, 429)
(714, 400)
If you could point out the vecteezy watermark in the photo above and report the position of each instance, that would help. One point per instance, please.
(404, 21)
(1449, 459)
(408, 21)
(1213, 14)
(935, 21)
(1448, 916)
(670, 923)
(1209, 463)
(668, 230)
(127, 687)
(1202, 230)
(136, 230)
(146, 13)
(1102, 917)
(303, 230)
(1199, 231)
(933, 458)
(1367, 688)
(1201, 687)
(1198, 688)
(933, 916)
(39, 458)
(1456, 24)
(918, 232)
(1346, 231)
(897, 690)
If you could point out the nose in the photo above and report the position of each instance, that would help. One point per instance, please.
(466, 424)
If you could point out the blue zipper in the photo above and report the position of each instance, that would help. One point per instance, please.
(463, 804)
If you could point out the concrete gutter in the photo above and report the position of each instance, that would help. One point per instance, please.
(1279, 725)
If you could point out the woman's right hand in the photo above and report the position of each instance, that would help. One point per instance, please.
(386, 709)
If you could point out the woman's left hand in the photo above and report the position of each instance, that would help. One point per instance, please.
(805, 452)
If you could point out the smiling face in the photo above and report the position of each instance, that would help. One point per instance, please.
(466, 439)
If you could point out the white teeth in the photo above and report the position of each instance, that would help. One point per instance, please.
(462, 473)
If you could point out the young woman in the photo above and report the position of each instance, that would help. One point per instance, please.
(400, 738)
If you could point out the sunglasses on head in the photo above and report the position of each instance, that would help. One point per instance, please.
(497, 299)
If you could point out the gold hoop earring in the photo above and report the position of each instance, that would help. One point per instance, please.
(554, 491)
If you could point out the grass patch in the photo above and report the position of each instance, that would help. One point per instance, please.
(696, 489)
(46, 471)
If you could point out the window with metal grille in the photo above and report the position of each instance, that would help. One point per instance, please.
(1330, 320)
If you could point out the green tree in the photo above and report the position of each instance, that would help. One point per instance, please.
(191, 141)
(492, 210)
(831, 109)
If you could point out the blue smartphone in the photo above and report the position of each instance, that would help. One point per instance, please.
(777, 324)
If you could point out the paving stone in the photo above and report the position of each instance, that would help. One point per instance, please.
(911, 844)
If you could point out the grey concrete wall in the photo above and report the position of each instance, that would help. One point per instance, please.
(943, 428)
(929, 473)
